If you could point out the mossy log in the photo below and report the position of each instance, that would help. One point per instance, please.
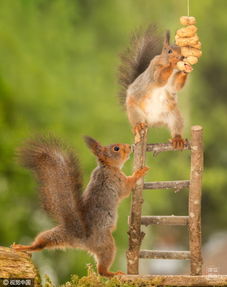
(175, 280)
(15, 264)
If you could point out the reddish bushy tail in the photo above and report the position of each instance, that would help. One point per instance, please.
(57, 171)
(136, 58)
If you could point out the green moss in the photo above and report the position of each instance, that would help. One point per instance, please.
(94, 280)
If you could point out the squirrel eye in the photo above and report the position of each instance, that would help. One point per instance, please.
(116, 148)
(170, 51)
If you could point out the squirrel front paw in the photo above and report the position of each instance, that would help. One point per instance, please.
(141, 172)
(138, 128)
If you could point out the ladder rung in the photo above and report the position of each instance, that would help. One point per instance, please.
(160, 147)
(157, 254)
(178, 184)
(167, 220)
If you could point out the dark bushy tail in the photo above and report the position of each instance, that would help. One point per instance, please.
(136, 58)
(58, 173)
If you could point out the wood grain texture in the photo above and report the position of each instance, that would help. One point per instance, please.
(162, 254)
(164, 220)
(162, 147)
(14, 264)
(177, 184)
(135, 234)
(195, 194)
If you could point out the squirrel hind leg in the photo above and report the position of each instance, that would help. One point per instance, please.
(178, 142)
(104, 253)
(53, 238)
(138, 129)
(103, 272)
(20, 247)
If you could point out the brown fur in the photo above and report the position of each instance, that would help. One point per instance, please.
(136, 58)
(86, 220)
(151, 96)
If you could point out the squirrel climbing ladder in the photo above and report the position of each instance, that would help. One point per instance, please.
(193, 220)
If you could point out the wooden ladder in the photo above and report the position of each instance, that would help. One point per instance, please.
(193, 220)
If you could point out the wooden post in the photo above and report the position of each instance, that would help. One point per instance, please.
(135, 234)
(195, 199)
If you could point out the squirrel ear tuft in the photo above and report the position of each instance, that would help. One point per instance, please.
(167, 39)
(93, 145)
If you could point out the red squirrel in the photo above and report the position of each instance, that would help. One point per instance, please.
(150, 81)
(86, 219)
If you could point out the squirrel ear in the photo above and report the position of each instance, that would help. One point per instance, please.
(167, 39)
(93, 145)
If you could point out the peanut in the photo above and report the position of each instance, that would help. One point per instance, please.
(186, 20)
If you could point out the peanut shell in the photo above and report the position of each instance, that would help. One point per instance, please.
(191, 60)
(182, 66)
(197, 45)
(189, 51)
(187, 20)
(188, 31)
(182, 42)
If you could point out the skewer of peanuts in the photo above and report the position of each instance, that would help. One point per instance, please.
(188, 40)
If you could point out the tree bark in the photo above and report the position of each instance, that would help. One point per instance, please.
(166, 220)
(195, 194)
(135, 234)
(161, 147)
(177, 185)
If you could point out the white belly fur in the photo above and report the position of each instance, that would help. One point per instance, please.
(156, 107)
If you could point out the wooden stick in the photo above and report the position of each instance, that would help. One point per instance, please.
(177, 184)
(195, 199)
(161, 147)
(135, 234)
(175, 280)
(160, 254)
(165, 220)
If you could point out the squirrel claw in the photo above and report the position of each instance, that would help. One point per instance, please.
(119, 273)
(111, 274)
(137, 130)
(19, 247)
(141, 172)
(178, 142)
(144, 169)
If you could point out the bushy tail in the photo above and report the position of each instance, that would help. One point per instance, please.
(58, 173)
(136, 58)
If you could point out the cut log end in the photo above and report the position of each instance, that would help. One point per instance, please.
(197, 128)
(14, 264)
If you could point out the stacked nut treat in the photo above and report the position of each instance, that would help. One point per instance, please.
(188, 40)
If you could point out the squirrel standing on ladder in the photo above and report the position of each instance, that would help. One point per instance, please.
(151, 80)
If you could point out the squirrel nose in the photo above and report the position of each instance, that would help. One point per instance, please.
(181, 58)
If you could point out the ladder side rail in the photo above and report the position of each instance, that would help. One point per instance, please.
(135, 234)
(195, 194)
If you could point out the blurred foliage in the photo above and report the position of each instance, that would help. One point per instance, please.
(58, 74)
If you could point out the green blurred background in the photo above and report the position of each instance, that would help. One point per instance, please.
(58, 74)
